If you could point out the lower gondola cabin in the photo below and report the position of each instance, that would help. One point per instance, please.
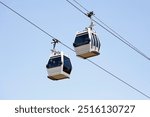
(59, 66)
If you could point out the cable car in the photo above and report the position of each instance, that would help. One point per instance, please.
(86, 43)
(59, 66)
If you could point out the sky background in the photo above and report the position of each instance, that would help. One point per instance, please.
(25, 50)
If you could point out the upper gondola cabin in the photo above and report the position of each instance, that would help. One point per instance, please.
(87, 44)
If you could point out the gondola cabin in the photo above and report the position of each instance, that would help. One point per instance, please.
(87, 44)
(59, 66)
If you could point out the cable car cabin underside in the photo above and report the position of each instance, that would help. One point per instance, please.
(59, 66)
(86, 44)
(57, 73)
(85, 51)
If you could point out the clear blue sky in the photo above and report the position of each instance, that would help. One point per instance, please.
(25, 50)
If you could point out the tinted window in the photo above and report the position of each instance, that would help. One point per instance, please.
(96, 40)
(54, 62)
(67, 65)
(99, 44)
(92, 41)
(81, 40)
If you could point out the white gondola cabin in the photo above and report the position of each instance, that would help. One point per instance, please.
(87, 44)
(59, 66)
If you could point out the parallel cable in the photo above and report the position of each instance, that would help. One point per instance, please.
(74, 51)
(119, 79)
(109, 29)
(26, 19)
(124, 41)
(33, 24)
(75, 7)
(80, 5)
